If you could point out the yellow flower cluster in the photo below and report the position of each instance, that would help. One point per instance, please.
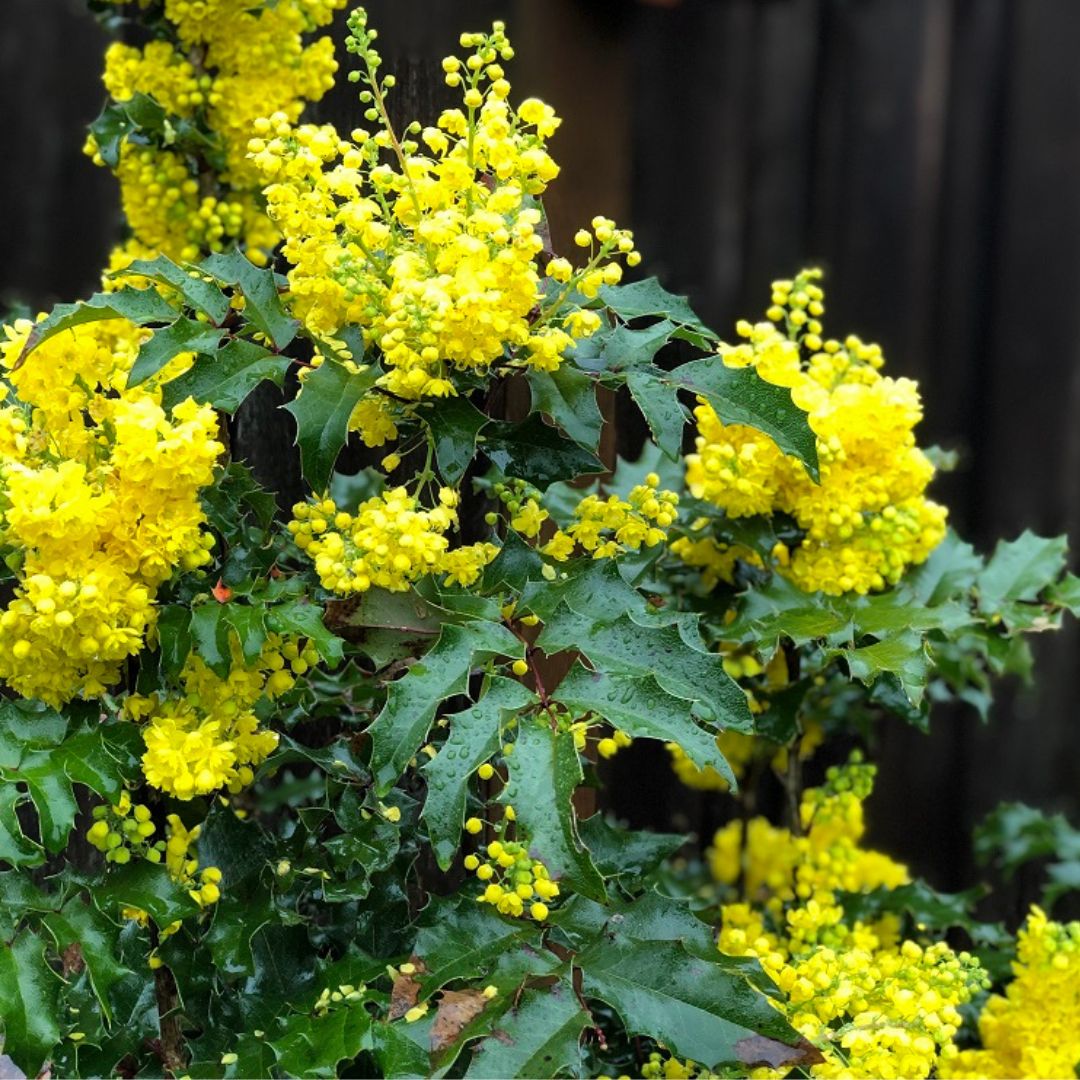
(661, 1067)
(224, 65)
(873, 1004)
(209, 736)
(513, 879)
(433, 243)
(390, 542)
(123, 831)
(100, 505)
(716, 560)
(613, 526)
(869, 518)
(1033, 1029)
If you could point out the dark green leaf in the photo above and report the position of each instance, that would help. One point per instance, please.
(144, 307)
(322, 411)
(473, 738)
(28, 1003)
(225, 378)
(697, 1009)
(198, 293)
(539, 1036)
(625, 648)
(411, 703)
(903, 655)
(96, 936)
(544, 772)
(659, 403)
(742, 396)
(147, 886)
(623, 349)
(536, 452)
(568, 396)
(649, 297)
(263, 303)
(306, 619)
(638, 705)
(184, 335)
(455, 424)
(630, 854)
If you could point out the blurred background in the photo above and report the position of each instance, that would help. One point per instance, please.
(926, 153)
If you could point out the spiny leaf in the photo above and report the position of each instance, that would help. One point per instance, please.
(568, 396)
(411, 703)
(262, 302)
(226, 377)
(649, 297)
(28, 1002)
(144, 307)
(659, 403)
(639, 706)
(742, 396)
(473, 738)
(454, 425)
(539, 1036)
(903, 655)
(322, 411)
(198, 293)
(535, 452)
(697, 1009)
(623, 647)
(184, 335)
(544, 772)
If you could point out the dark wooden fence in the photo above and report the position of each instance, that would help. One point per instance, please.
(925, 152)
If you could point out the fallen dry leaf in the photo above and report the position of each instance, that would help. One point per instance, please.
(406, 990)
(758, 1051)
(457, 1008)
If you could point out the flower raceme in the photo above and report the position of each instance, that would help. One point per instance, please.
(100, 506)
(868, 519)
(433, 244)
(875, 1005)
(216, 67)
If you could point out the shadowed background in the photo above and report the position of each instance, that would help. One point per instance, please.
(926, 153)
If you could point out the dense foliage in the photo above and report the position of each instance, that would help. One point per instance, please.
(312, 794)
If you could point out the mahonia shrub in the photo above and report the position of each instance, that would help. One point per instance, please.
(312, 793)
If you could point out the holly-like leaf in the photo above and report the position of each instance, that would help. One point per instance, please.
(183, 335)
(455, 424)
(544, 772)
(322, 411)
(625, 648)
(262, 306)
(314, 1046)
(568, 396)
(47, 764)
(902, 655)
(144, 307)
(649, 297)
(742, 396)
(473, 738)
(659, 403)
(539, 1036)
(628, 854)
(197, 293)
(412, 701)
(79, 925)
(639, 706)
(536, 452)
(700, 1010)
(1017, 574)
(28, 1002)
(461, 939)
(623, 349)
(307, 620)
(225, 378)
(147, 886)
